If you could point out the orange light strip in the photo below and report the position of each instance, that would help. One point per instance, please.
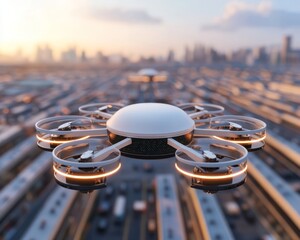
(87, 177)
(55, 141)
(242, 141)
(211, 177)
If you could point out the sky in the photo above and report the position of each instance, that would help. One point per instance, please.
(144, 27)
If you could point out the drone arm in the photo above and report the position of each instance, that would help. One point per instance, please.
(104, 114)
(201, 132)
(98, 132)
(107, 151)
(196, 156)
(198, 114)
(125, 142)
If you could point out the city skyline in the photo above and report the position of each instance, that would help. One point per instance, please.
(149, 29)
(199, 53)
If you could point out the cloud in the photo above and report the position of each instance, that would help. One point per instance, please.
(125, 16)
(239, 15)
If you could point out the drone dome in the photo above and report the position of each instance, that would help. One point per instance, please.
(150, 121)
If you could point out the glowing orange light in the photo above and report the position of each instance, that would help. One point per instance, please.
(211, 177)
(59, 142)
(242, 141)
(87, 177)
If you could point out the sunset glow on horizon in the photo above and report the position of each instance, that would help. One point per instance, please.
(138, 28)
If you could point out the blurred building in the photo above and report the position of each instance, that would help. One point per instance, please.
(274, 57)
(286, 49)
(117, 59)
(69, 56)
(171, 56)
(202, 54)
(101, 58)
(213, 56)
(259, 55)
(188, 55)
(289, 55)
(239, 56)
(83, 57)
(199, 54)
(44, 54)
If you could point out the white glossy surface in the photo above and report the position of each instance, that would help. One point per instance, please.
(148, 72)
(150, 120)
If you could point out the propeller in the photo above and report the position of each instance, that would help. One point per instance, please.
(249, 132)
(84, 164)
(100, 111)
(212, 164)
(61, 129)
(201, 112)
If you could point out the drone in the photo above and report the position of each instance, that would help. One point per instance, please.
(148, 75)
(210, 148)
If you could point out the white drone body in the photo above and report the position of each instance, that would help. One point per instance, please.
(148, 75)
(208, 148)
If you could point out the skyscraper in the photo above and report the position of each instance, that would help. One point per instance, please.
(286, 48)
(171, 56)
(69, 55)
(188, 56)
(44, 54)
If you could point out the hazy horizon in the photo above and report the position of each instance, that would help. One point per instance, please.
(138, 28)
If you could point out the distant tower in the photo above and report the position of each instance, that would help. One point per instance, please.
(171, 56)
(44, 54)
(259, 55)
(199, 53)
(69, 55)
(274, 57)
(188, 56)
(286, 48)
(83, 57)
